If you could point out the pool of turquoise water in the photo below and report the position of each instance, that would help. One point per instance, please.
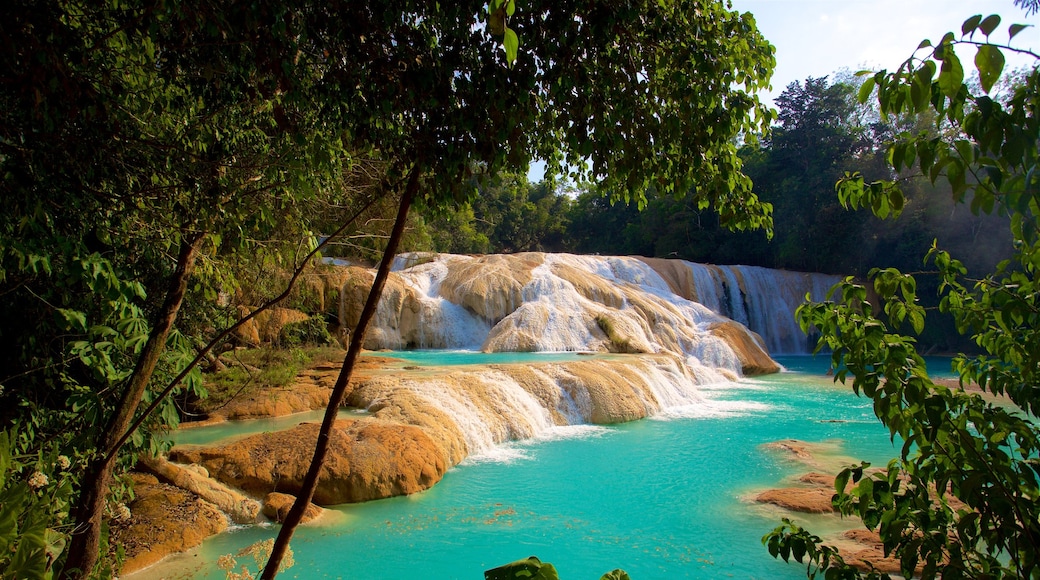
(659, 498)
(469, 357)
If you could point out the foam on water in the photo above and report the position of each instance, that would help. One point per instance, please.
(515, 451)
(714, 409)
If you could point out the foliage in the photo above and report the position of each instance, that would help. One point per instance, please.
(148, 150)
(251, 370)
(961, 500)
(603, 89)
(534, 569)
(508, 214)
(31, 504)
(311, 332)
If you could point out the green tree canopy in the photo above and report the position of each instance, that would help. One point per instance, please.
(144, 146)
(961, 500)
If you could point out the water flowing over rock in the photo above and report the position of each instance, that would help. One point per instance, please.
(762, 299)
(555, 301)
(563, 302)
(472, 409)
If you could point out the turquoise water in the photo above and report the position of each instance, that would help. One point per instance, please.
(469, 357)
(660, 498)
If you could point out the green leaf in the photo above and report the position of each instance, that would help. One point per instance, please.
(866, 89)
(6, 462)
(989, 24)
(989, 61)
(1014, 29)
(616, 574)
(951, 75)
(971, 24)
(75, 319)
(530, 569)
(917, 319)
(512, 44)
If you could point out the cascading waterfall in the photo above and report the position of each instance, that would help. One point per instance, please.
(491, 405)
(762, 299)
(686, 320)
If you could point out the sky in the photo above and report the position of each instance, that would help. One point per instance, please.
(816, 38)
(819, 37)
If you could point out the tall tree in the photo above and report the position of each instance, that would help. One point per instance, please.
(600, 87)
(961, 499)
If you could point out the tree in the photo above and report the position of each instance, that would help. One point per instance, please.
(961, 500)
(144, 143)
(601, 88)
(136, 140)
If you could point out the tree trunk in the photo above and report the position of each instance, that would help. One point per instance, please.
(84, 546)
(339, 391)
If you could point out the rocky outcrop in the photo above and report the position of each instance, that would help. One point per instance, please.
(812, 500)
(267, 325)
(863, 549)
(162, 520)
(490, 286)
(194, 478)
(549, 302)
(748, 347)
(277, 506)
(309, 391)
(367, 460)
(470, 409)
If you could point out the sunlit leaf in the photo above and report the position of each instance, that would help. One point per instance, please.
(989, 60)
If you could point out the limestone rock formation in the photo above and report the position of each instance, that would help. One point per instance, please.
(277, 506)
(550, 302)
(193, 478)
(310, 390)
(163, 520)
(748, 347)
(470, 409)
(490, 286)
(813, 500)
(367, 460)
(267, 325)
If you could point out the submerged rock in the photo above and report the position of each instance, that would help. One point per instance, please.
(367, 460)
(812, 500)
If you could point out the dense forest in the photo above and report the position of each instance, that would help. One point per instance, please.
(822, 131)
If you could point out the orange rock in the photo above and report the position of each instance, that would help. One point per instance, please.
(367, 459)
(813, 500)
(163, 520)
(266, 326)
(277, 506)
(748, 346)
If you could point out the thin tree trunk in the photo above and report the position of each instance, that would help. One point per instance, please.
(339, 391)
(85, 542)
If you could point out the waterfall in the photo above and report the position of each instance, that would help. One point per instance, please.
(762, 299)
(563, 302)
(486, 406)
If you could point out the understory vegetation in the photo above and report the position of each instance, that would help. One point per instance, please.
(249, 371)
